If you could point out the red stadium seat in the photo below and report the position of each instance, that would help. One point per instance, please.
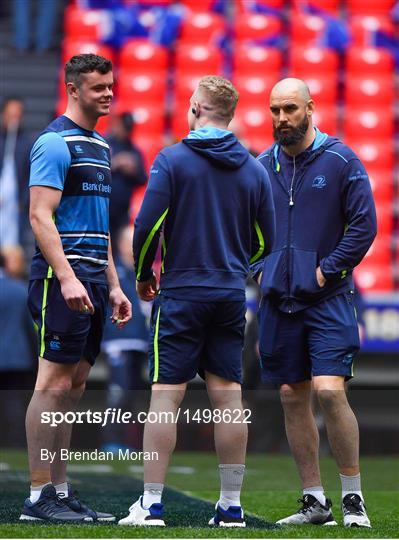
(148, 120)
(369, 123)
(255, 90)
(384, 217)
(380, 252)
(83, 24)
(254, 60)
(180, 127)
(255, 121)
(326, 119)
(202, 28)
(374, 277)
(199, 59)
(367, 90)
(143, 55)
(102, 125)
(329, 6)
(323, 88)
(369, 7)
(185, 86)
(244, 5)
(313, 61)
(137, 89)
(149, 146)
(381, 180)
(198, 5)
(71, 48)
(256, 26)
(370, 61)
(373, 153)
(363, 29)
(307, 29)
(257, 144)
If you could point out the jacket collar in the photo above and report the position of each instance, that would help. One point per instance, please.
(317, 149)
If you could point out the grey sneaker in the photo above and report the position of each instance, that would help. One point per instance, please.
(311, 513)
(50, 507)
(354, 511)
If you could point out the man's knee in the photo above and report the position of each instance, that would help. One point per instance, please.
(223, 393)
(295, 396)
(331, 401)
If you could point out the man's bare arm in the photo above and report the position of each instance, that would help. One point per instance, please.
(43, 203)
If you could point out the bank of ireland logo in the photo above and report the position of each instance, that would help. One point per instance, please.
(100, 176)
(319, 182)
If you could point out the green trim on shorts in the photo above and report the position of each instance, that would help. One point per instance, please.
(42, 330)
(156, 351)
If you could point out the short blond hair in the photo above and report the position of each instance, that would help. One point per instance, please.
(222, 96)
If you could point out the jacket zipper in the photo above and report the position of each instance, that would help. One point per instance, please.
(290, 205)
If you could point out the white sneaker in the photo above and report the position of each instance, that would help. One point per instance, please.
(143, 516)
(311, 513)
(354, 511)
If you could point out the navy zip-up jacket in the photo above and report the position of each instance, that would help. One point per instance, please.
(329, 221)
(216, 203)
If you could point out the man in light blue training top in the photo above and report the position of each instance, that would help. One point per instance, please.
(72, 278)
(307, 321)
(215, 204)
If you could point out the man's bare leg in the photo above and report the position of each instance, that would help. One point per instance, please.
(341, 424)
(64, 430)
(230, 440)
(301, 429)
(343, 436)
(51, 394)
(160, 437)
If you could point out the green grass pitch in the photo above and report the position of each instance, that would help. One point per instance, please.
(270, 492)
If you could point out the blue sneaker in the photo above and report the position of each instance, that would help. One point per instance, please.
(50, 507)
(232, 517)
(74, 504)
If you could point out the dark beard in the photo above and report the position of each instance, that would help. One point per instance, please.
(294, 136)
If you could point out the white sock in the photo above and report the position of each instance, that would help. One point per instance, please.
(316, 491)
(351, 484)
(36, 491)
(231, 478)
(62, 489)
(152, 494)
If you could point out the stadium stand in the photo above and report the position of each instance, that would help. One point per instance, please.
(332, 44)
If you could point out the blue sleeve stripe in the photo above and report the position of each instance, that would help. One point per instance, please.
(336, 153)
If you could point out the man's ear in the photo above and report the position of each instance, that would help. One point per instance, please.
(72, 89)
(310, 107)
(196, 109)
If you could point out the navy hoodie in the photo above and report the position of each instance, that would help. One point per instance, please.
(215, 203)
(330, 222)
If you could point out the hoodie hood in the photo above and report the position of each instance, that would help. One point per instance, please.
(219, 146)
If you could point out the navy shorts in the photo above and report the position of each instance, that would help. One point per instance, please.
(65, 336)
(320, 340)
(189, 337)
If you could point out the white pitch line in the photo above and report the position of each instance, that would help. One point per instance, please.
(4, 467)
